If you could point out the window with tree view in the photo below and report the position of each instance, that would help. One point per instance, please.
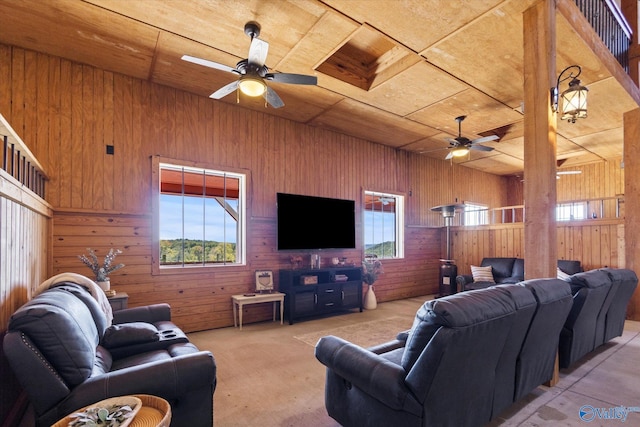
(383, 224)
(201, 217)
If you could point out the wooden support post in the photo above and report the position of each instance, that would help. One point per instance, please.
(631, 158)
(540, 121)
(540, 124)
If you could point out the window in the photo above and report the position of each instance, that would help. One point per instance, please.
(200, 217)
(571, 211)
(475, 214)
(383, 225)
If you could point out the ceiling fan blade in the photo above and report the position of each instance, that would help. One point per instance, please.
(480, 147)
(258, 51)
(272, 98)
(225, 90)
(449, 156)
(296, 79)
(485, 139)
(209, 64)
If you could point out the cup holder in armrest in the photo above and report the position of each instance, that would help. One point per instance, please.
(172, 335)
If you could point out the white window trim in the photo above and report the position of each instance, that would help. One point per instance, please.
(241, 261)
(399, 224)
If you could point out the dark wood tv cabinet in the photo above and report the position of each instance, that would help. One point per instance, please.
(335, 289)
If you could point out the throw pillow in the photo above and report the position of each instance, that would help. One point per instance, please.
(482, 274)
(562, 275)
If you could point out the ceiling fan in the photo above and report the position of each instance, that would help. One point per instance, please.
(253, 72)
(461, 145)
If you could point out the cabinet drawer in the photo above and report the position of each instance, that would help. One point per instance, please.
(329, 296)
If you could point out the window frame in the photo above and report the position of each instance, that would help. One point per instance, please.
(243, 208)
(480, 211)
(399, 225)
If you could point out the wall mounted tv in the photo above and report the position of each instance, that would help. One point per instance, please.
(310, 223)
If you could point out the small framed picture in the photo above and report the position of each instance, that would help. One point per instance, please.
(264, 281)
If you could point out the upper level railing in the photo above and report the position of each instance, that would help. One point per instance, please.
(567, 210)
(607, 20)
(18, 161)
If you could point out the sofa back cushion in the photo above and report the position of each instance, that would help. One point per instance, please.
(454, 311)
(518, 269)
(62, 328)
(459, 362)
(502, 267)
(626, 282)
(537, 357)
(83, 294)
(570, 266)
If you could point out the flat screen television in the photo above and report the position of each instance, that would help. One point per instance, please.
(310, 223)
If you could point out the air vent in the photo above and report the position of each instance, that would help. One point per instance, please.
(367, 59)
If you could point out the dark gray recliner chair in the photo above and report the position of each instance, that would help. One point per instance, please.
(624, 281)
(444, 375)
(66, 358)
(578, 336)
(537, 357)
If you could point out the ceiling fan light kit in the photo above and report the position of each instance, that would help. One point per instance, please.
(461, 145)
(253, 72)
(574, 99)
(252, 86)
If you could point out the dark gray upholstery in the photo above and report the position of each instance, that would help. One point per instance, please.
(458, 366)
(508, 270)
(506, 369)
(624, 281)
(578, 336)
(536, 360)
(54, 345)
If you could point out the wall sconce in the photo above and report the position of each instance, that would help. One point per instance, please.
(574, 99)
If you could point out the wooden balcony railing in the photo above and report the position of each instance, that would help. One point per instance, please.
(567, 210)
(607, 20)
(18, 161)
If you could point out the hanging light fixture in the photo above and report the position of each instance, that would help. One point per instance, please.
(251, 85)
(460, 151)
(574, 99)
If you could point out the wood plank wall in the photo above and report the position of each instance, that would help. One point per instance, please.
(596, 243)
(25, 224)
(67, 113)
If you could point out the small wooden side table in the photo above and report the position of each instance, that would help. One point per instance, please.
(246, 299)
(119, 301)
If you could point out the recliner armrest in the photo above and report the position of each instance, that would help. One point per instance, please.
(170, 379)
(463, 280)
(371, 373)
(148, 313)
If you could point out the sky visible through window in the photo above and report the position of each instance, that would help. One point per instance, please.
(195, 211)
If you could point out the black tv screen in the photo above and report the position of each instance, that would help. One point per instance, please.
(309, 223)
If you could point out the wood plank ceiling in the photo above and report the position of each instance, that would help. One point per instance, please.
(393, 72)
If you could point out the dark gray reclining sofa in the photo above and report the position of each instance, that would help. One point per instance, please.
(466, 358)
(509, 270)
(65, 357)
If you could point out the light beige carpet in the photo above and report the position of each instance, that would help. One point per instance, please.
(364, 334)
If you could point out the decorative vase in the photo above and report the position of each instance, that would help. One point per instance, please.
(370, 302)
(105, 285)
